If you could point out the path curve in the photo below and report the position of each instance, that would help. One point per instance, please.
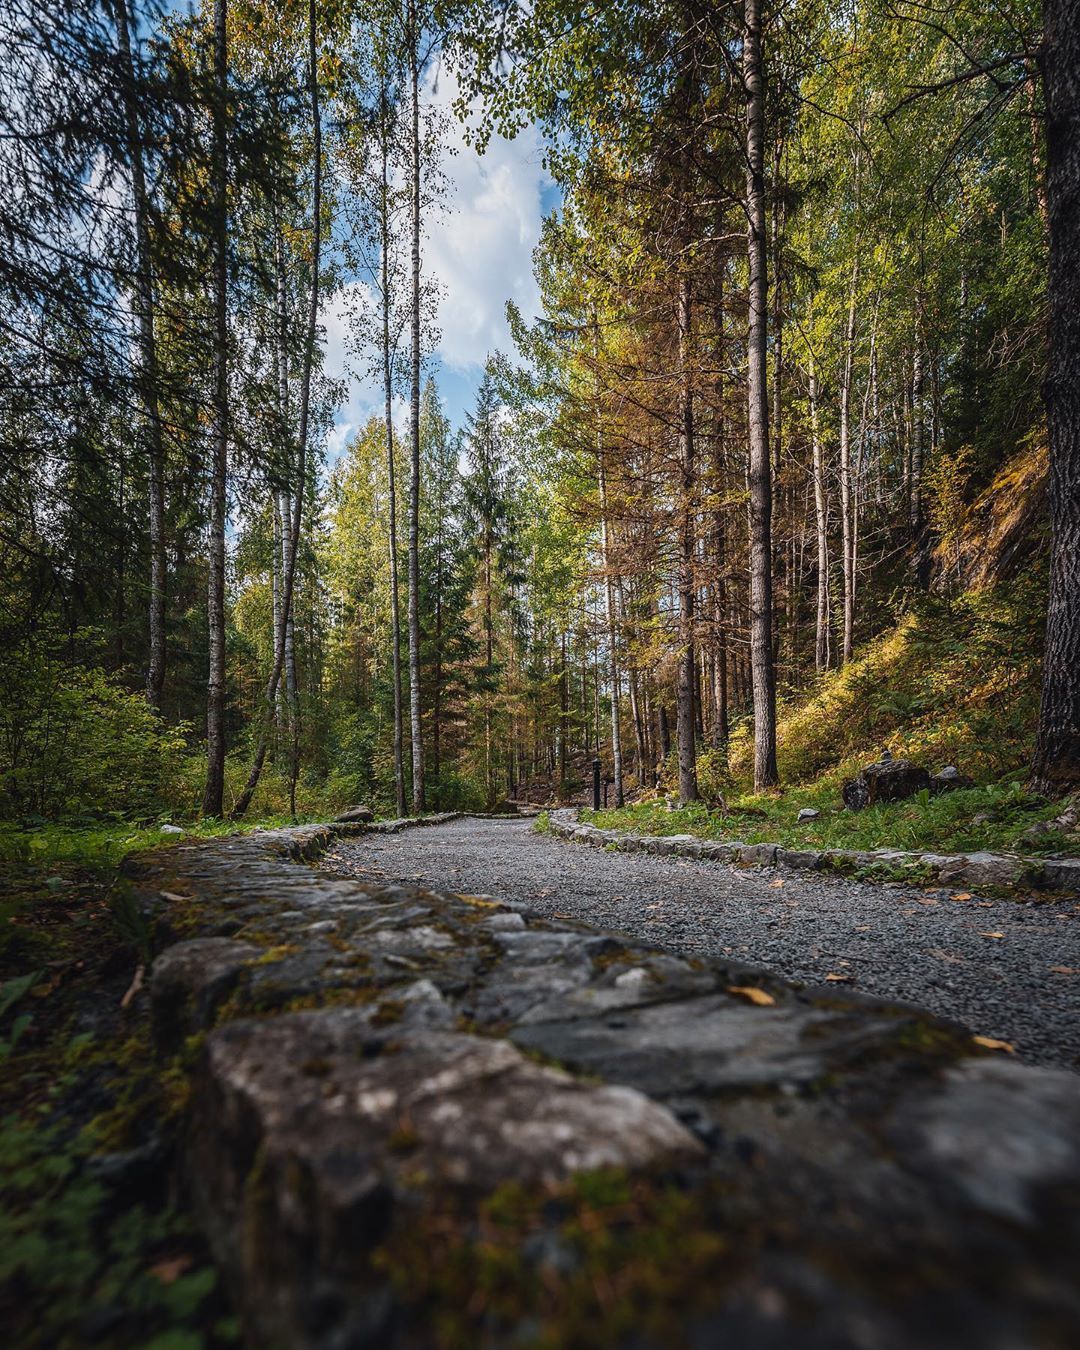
(919, 946)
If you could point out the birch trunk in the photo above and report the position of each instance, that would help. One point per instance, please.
(418, 797)
(847, 537)
(821, 523)
(763, 668)
(388, 398)
(213, 794)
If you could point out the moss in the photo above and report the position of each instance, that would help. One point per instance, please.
(388, 1012)
(274, 954)
(600, 1260)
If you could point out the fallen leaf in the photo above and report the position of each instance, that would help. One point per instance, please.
(989, 1043)
(962, 895)
(752, 995)
(992, 935)
(926, 901)
(775, 885)
(559, 915)
(170, 1270)
(833, 978)
(861, 928)
(1065, 970)
(174, 895)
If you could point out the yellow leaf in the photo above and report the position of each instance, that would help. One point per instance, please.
(775, 885)
(1065, 970)
(752, 995)
(833, 978)
(992, 935)
(963, 895)
(989, 1043)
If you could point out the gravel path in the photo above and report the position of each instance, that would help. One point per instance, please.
(988, 965)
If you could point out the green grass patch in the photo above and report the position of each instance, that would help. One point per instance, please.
(923, 823)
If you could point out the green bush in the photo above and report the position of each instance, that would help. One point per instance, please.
(74, 744)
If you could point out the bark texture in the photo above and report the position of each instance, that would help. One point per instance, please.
(214, 791)
(1056, 766)
(300, 469)
(763, 673)
(686, 718)
(148, 365)
(418, 795)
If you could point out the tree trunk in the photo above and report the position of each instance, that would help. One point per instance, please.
(1056, 765)
(821, 523)
(847, 527)
(761, 617)
(687, 680)
(418, 803)
(300, 468)
(388, 397)
(612, 629)
(214, 792)
(564, 718)
(148, 367)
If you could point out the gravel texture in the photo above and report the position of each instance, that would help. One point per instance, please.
(988, 964)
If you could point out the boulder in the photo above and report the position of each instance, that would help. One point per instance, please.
(806, 814)
(887, 781)
(356, 815)
(949, 779)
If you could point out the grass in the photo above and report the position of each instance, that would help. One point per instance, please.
(924, 823)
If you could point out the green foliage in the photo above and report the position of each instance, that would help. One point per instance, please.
(73, 743)
(77, 1262)
(11, 991)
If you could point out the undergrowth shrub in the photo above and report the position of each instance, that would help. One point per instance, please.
(75, 744)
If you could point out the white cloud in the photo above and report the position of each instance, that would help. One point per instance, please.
(481, 247)
(478, 248)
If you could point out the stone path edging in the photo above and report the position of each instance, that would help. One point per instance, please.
(992, 871)
(369, 1063)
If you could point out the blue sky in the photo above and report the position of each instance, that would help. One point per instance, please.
(480, 251)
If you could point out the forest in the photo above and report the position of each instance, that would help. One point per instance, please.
(785, 469)
(724, 462)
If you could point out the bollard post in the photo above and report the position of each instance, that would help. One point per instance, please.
(596, 785)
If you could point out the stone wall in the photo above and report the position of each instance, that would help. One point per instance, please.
(422, 1119)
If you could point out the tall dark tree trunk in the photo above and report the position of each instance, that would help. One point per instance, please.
(214, 792)
(1056, 766)
(300, 468)
(148, 365)
(686, 712)
(418, 802)
(761, 603)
